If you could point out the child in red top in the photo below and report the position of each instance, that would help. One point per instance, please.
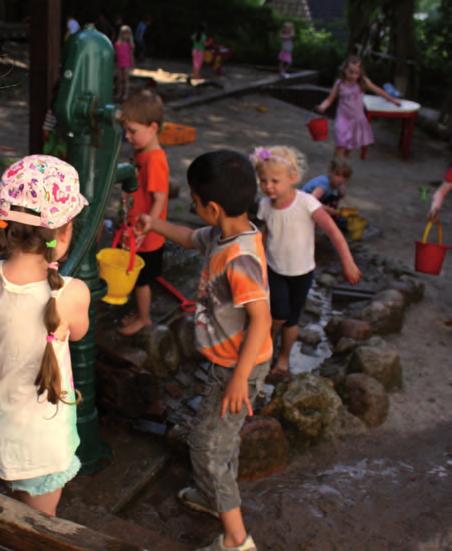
(124, 47)
(141, 118)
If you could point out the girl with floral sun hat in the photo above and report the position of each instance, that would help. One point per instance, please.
(40, 311)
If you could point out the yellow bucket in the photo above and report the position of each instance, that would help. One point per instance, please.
(355, 226)
(113, 266)
(346, 212)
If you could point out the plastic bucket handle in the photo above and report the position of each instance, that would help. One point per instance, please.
(126, 230)
(427, 230)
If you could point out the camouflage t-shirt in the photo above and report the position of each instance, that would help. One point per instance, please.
(234, 274)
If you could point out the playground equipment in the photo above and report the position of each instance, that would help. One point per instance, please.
(88, 119)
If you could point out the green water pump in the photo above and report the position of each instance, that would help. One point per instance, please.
(88, 119)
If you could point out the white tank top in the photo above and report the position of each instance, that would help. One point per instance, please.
(36, 437)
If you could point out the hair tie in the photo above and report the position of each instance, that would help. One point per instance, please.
(262, 154)
(50, 337)
(54, 293)
(53, 266)
(51, 244)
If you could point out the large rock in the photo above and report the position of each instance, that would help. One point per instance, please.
(345, 424)
(308, 402)
(366, 398)
(163, 354)
(382, 362)
(310, 335)
(183, 329)
(355, 329)
(385, 312)
(264, 449)
(411, 288)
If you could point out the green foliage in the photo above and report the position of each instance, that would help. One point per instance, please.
(250, 28)
(434, 42)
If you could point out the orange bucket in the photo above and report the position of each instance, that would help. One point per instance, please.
(318, 128)
(430, 256)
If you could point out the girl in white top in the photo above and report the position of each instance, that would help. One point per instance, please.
(290, 216)
(39, 312)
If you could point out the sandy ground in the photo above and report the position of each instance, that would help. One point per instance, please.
(392, 488)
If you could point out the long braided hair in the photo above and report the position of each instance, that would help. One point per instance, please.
(36, 240)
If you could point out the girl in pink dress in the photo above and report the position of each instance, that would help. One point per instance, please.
(351, 127)
(124, 60)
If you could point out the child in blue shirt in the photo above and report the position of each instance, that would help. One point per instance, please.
(330, 188)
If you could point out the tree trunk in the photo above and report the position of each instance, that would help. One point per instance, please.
(403, 46)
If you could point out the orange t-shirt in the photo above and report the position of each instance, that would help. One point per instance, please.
(153, 175)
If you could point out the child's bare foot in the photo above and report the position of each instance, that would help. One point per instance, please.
(133, 327)
(278, 374)
(127, 320)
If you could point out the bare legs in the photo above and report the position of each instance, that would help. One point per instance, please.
(133, 324)
(234, 529)
(46, 503)
(123, 83)
(288, 337)
(342, 152)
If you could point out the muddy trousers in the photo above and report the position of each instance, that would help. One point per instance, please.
(215, 441)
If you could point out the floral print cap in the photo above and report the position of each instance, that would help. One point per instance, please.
(47, 186)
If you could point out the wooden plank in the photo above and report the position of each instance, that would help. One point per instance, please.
(143, 479)
(45, 31)
(301, 76)
(24, 528)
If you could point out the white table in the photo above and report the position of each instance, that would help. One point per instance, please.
(379, 108)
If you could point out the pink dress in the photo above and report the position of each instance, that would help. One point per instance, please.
(123, 55)
(351, 127)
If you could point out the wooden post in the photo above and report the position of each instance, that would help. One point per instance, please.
(45, 38)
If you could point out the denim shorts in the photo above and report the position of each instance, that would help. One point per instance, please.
(47, 483)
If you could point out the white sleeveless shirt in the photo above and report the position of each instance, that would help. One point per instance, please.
(290, 234)
(36, 437)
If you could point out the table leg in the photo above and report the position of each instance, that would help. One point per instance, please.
(406, 136)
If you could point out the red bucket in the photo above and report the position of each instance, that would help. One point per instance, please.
(430, 256)
(318, 128)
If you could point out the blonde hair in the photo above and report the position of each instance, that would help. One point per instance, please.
(292, 158)
(126, 29)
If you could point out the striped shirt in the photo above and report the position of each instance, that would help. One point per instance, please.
(234, 274)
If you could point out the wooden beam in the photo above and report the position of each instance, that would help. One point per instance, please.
(45, 39)
(24, 528)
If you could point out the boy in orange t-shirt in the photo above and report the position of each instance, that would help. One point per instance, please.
(141, 118)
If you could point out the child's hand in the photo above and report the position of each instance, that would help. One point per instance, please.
(320, 108)
(235, 396)
(396, 102)
(351, 273)
(143, 225)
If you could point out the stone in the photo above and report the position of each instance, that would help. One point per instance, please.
(326, 280)
(263, 449)
(355, 329)
(174, 390)
(385, 313)
(308, 403)
(380, 362)
(411, 288)
(310, 336)
(344, 346)
(183, 329)
(313, 306)
(334, 370)
(163, 353)
(366, 398)
(345, 424)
